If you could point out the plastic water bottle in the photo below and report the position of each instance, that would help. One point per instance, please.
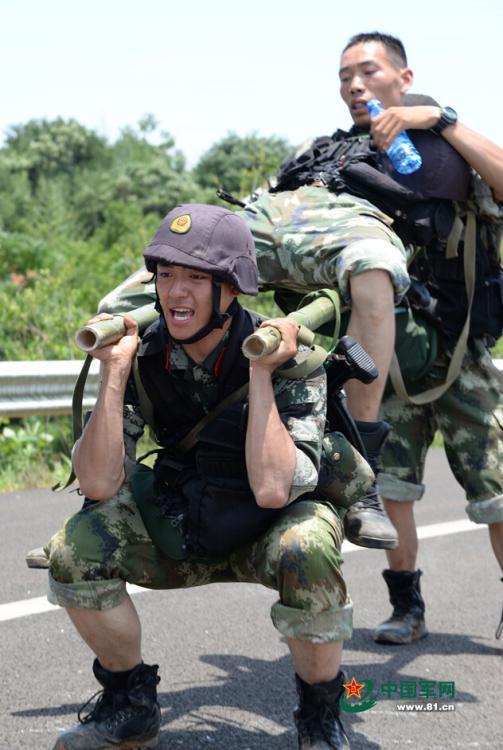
(402, 153)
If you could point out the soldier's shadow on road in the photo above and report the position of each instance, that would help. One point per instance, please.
(398, 658)
(247, 706)
(248, 703)
(264, 690)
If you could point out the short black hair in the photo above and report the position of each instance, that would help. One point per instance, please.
(393, 45)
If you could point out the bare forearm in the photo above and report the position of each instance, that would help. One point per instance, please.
(98, 456)
(270, 451)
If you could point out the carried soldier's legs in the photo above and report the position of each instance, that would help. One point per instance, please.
(311, 238)
(372, 324)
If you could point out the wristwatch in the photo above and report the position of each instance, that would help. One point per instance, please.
(448, 116)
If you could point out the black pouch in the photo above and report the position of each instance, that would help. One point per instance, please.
(223, 516)
(411, 212)
(161, 515)
(222, 511)
(487, 310)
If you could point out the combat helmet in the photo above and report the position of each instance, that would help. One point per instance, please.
(210, 239)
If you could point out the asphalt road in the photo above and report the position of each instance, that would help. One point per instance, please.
(226, 675)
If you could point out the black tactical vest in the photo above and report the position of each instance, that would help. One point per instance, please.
(210, 483)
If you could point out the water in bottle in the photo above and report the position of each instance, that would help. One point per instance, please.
(402, 152)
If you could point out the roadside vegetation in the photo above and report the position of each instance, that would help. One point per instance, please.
(75, 214)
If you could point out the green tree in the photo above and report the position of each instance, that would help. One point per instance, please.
(44, 148)
(57, 178)
(241, 165)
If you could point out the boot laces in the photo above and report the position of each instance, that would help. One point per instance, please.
(406, 603)
(108, 708)
(105, 705)
(370, 501)
(321, 723)
(329, 720)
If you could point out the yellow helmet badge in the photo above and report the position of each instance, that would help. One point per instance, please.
(181, 224)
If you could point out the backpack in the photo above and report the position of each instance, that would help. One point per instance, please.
(442, 270)
(457, 246)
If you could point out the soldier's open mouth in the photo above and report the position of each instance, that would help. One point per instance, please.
(181, 313)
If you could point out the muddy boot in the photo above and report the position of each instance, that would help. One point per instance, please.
(406, 623)
(36, 558)
(126, 714)
(317, 715)
(366, 523)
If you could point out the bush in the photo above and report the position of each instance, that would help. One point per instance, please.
(34, 452)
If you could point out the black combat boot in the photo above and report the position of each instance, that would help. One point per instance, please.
(126, 714)
(406, 623)
(317, 715)
(366, 523)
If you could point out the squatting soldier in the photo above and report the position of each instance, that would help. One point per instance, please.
(239, 505)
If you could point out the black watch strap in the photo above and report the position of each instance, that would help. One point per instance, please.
(448, 116)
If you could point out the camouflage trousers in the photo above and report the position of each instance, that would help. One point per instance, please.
(106, 544)
(311, 238)
(470, 418)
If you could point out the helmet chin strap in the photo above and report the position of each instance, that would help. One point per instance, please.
(216, 320)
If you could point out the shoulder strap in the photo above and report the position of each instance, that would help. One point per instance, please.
(146, 406)
(314, 358)
(77, 399)
(188, 442)
(305, 363)
(432, 394)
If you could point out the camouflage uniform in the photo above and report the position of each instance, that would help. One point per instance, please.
(470, 418)
(305, 239)
(311, 238)
(106, 543)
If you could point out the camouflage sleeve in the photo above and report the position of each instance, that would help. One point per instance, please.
(302, 407)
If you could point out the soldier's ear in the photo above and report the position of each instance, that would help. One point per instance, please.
(407, 79)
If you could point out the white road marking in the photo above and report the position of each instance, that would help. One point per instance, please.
(39, 604)
(427, 532)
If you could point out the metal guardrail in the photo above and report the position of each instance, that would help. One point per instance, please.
(37, 388)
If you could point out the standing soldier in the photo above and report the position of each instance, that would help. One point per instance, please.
(469, 410)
